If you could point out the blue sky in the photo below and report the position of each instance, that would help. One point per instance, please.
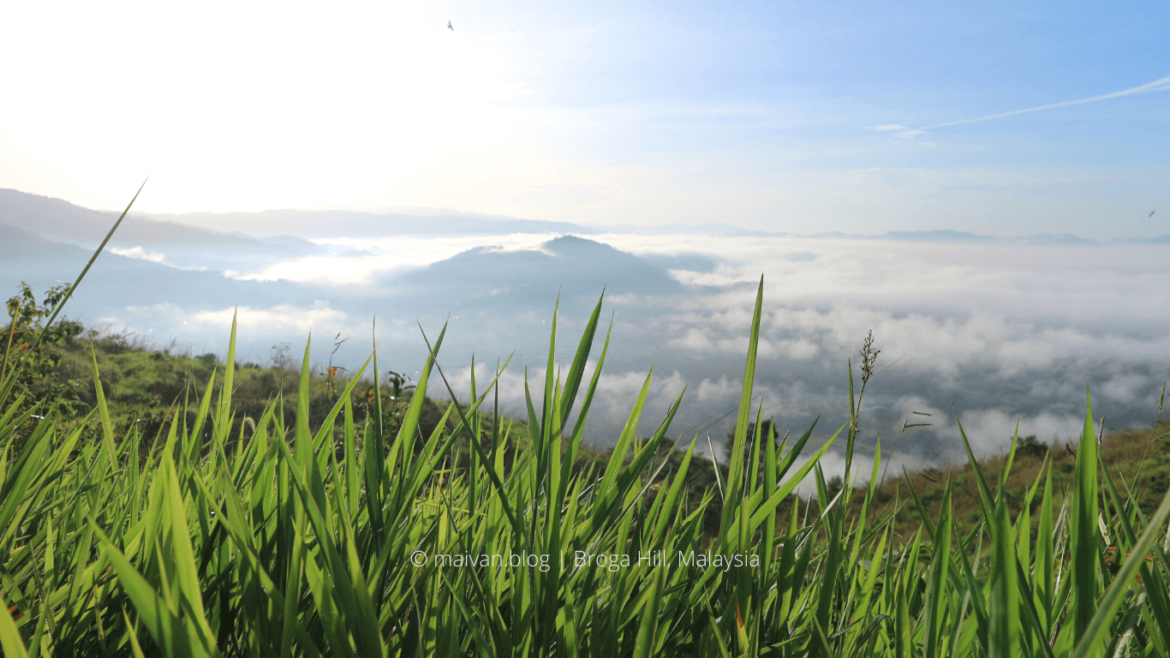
(761, 115)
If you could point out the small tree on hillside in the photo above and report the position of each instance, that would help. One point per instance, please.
(1031, 446)
(28, 354)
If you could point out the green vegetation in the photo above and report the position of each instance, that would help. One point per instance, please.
(29, 352)
(272, 538)
(143, 385)
(305, 527)
(1137, 459)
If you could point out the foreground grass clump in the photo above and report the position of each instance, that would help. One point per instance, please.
(267, 538)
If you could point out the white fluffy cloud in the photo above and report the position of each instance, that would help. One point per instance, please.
(139, 252)
(283, 318)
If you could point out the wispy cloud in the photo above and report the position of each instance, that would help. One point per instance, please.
(139, 252)
(1162, 84)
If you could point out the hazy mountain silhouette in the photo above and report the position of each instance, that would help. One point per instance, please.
(272, 235)
(344, 223)
(1162, 239)
(567, 261)
(116, 282)
(945, 235)
(182, 245)
(1053, 239)
(21, 244)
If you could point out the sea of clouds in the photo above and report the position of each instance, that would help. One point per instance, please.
(986, 334)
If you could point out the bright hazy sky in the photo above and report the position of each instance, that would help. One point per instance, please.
(998, 117)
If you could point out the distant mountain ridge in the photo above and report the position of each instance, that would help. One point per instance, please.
(62, 221)
(19, 243)
(288, 233)
(329, 223)
(953, 236)
(179, 245)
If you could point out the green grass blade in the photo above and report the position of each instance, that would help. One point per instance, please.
(936, 580)
(108, 446)
(764, 511)
(644, 644)
(736, 461)
(580, 359)
(1098, 624)
(85, 270)
(223, 419)
(167, 629)
(9, 635)
(1083, 534)
(1004, 634)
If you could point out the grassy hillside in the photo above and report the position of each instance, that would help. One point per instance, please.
(1137, 459)
(149, 384)
(272, 518)
(145, 385)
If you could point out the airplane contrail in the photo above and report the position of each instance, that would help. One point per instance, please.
(1157, 85)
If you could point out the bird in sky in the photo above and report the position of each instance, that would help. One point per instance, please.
(450, 27)
(1151, 213)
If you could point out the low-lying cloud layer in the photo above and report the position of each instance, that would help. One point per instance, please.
(992, 333)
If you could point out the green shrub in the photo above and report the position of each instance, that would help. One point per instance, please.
(30, 351)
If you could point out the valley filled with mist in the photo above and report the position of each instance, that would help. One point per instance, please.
(994, 330)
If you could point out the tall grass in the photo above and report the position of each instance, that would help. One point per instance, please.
(284, 541)
(293, 540)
